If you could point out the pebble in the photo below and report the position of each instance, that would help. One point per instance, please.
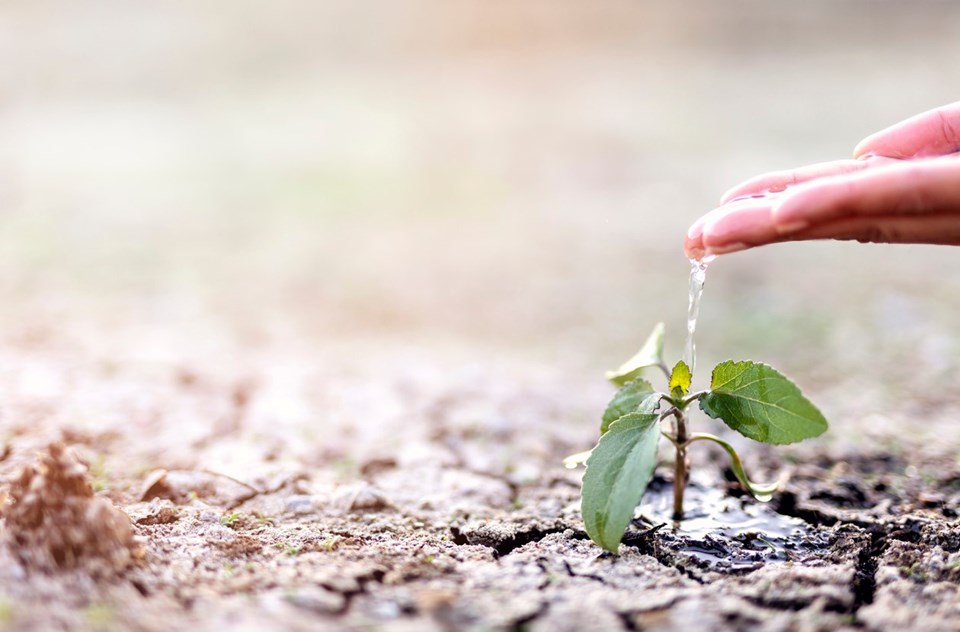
(300, 504)
(317, 600)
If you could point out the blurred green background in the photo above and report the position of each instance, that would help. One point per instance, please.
(497, 179)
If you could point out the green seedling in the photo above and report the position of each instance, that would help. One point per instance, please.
(752, 398)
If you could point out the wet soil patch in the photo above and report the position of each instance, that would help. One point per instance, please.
(721, 533)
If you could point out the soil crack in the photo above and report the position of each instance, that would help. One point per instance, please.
(499, 540)
(350, 589)
(647, 543)
(572, 573)
(865, 576)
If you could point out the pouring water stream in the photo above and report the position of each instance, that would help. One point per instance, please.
(698, 274)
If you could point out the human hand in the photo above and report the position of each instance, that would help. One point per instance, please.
(903, 186)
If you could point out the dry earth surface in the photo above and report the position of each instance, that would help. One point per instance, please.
(434, 500)
(316, 298)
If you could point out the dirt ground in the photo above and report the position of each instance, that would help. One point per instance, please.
(319, 297)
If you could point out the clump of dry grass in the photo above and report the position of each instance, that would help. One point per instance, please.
(55, 522)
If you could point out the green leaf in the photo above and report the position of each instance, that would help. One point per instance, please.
(680, 380)
(650, 354)
(635, 396)
(618, 472)
(760, 403)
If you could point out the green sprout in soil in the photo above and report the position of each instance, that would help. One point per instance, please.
(98, 472)
(751, 398)
(289, 549)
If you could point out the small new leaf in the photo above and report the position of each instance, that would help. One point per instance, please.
(618, 472)
(680, 379)
(650, 354)
(635, 396)
(760, 403)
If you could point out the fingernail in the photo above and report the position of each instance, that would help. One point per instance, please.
(790, 227)
(725, 250)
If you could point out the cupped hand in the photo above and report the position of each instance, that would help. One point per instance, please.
(903, 186)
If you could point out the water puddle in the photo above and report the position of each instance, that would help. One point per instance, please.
(723, 533)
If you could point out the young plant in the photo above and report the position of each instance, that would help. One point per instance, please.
(751, 398)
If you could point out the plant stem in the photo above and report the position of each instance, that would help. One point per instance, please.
(680, 466)
(690, 399)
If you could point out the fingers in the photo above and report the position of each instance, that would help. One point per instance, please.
(748, 223)
(898, 202)
(943, 229)
(932, 133)
(905, 188)
(731, 227)
(693, 242)
(777, 181)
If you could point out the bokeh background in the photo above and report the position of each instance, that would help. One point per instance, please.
(390, 184)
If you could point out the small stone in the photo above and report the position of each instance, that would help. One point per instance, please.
(300, 504)
(932, 499)
(318, 600)
(361, 497)
(155, 486)
(159, 512)
(183, 486)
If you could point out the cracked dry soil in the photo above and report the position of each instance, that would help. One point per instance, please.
(316, 325)
(455, 520)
